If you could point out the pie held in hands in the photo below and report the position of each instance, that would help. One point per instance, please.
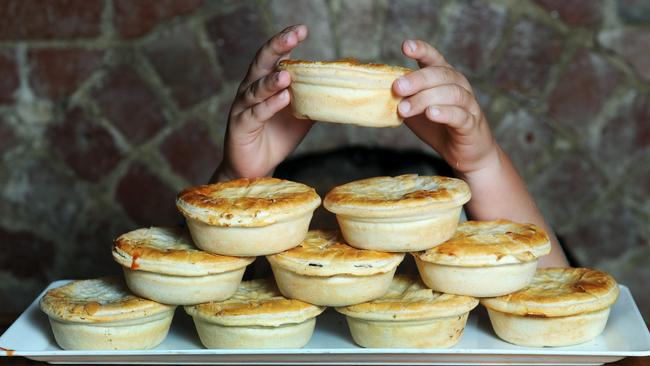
(248, 217)
(344, 91)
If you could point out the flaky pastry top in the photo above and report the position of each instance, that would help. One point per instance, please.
(101, 300)
(247, 202)
(170, 251)
(489, 243)
(256, 303)
(325, 253)
(556, 292)
(348, 73)
(404, 195)
(409, 299)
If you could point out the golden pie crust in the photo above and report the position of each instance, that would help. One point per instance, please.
(99, 300)
(170, 251)
(558, 292)
(402, 195)
(409, 299)
(324, 253)
(247, 202)
(256, 303)
(488, 243)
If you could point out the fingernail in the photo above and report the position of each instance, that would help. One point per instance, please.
(434, 111)
(284, 94)
(285, 37)
(403, 84)
(411, 45)
(404, 107)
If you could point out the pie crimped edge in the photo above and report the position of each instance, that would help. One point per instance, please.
(100, 300)
(408, 298)
(325, 253)
(403, 195)
(170, 251)
(556, 292)
(488, 243)
(256, 303)
(247, 202)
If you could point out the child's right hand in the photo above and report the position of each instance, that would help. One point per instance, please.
(261, 129)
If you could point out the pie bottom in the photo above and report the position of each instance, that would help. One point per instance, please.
(429, 333)
(250, 241)
(126, 335)
(400, 234)
(181, 290)
(337, 290)
(488, 281)
(534, 331)
(284, 336)
(365, 107)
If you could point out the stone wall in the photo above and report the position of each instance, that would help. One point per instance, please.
(109, 107)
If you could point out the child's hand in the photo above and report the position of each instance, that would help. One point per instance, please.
(261, 130)
(441, 109)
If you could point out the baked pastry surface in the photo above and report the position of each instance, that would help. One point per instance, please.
(345, 72)
(344, 91)
(170, 251)
(406, 194)
(100, 300)
(558, 292)
(247, 202)
(324, 253)
(256, 303)
(409, 299)
(488, 243)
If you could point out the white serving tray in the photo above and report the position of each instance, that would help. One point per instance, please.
(625, 335)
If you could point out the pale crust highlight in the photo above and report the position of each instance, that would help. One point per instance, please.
(170, 251)
(488, 243)
(348, 73)
(557, 292)
(99, 300)
(247, 202)
(409, 299)
(404, 195)
(325, 253)
(256, 303)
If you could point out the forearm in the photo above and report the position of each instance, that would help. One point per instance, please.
(498, 191)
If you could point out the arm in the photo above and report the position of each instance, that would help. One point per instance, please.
(261, 130)
(439, 106)
(498, 191)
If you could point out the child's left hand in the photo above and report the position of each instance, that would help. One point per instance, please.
(439, 106)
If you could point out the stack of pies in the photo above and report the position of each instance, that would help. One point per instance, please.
(380, 219)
